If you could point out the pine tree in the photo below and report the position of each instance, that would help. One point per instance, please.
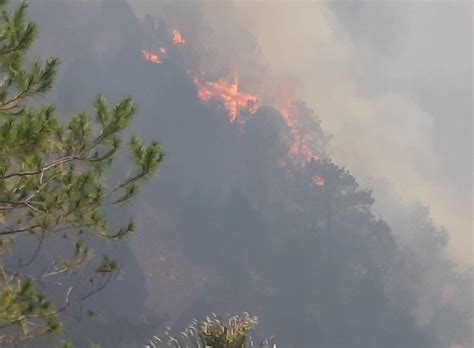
(53, 182)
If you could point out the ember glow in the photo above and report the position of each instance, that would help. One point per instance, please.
(285, 103)
(177, 38)
(298, 146)
(318, 181)
(158, 56)
(155, 57)
(227, 92)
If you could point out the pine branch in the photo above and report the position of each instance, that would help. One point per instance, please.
(47, 167)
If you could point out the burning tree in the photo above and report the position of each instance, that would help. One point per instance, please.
(53, 187)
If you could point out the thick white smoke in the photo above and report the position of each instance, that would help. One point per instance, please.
(388, 81)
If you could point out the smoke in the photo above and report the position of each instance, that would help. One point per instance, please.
(226, 227)
(393, 88)
(389, 83)
(382, 95)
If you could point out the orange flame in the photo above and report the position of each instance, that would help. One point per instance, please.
(234, 100)
(288, 109)
(177, 38)
(229, 94)
(298, 145)
(155, 57)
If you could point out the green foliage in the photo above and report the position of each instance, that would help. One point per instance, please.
(19, 300)
(66, 344)
(17, 34)
(53, 181)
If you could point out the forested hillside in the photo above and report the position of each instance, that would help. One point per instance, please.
(239, 220)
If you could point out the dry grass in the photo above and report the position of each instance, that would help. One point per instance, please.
(216, 332)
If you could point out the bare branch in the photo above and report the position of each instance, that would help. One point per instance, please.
(49, 166)
(35, 253)
(20, 230)
(12, 103)
(30, 197)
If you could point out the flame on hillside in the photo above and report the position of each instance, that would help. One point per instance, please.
(177, 38)
(285, 103)
(158, 55)
(228, 92)
(234, 100)
(318, 181)
(298, 146)
(155, 57)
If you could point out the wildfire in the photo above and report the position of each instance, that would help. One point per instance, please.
(229, 94)
(158, 56)
(177, 38)
(285, 104)
(318, 181)
(235, 100)
(298, 145)
(155, 57)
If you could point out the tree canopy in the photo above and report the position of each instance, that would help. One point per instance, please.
(53, 184)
